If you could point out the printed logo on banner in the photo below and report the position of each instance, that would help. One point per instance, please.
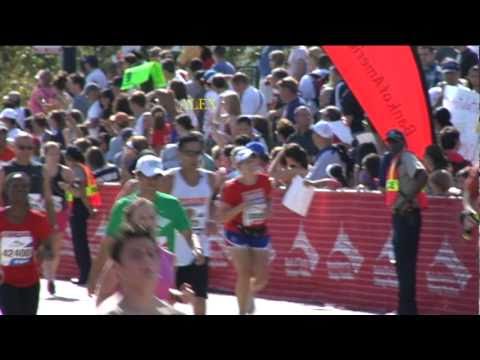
(344, 261)
(447, 275)
(303, 258)
(384, 274)
(218, 252)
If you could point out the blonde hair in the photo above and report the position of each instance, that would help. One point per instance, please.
(50, 144)
(137, 204)
(232, 101)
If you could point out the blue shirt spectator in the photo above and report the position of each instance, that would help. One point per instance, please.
(264, 61)
(221, 64)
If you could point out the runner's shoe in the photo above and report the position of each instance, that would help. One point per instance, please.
(51, 287)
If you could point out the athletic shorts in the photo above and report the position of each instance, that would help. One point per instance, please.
(236, 239)
(63, 220)
(196, 276)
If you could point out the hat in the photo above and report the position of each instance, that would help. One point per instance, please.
(395, 135)
(334, 170)
(322, 128)
(9, 114)
(450, 66)
(208, 75)
(257, 147)
(91, 86)
(242, 154)
(150, 165)
(322, 73)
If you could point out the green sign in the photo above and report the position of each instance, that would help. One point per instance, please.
(136, 76)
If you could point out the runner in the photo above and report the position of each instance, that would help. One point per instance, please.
(171, 217)
(244, 210)
(25, 241)
(135, 255)
(194, 187)
(59, 177)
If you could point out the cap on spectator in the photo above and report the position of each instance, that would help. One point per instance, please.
(91, 87)
(322, 129)
(208, 75)
(257, 147)
(241, 154)
(322, 73)
(150, 165)
(9, 114)
(74, 152)
(450, 66)
(396, 136)
(90, 60)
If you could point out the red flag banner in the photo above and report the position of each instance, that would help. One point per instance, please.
(386, 81)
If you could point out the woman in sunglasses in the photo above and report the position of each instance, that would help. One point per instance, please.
(291, 161)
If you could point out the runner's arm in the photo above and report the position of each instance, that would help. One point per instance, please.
(227, 212)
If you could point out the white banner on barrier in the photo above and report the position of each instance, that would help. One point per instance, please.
(464, 106)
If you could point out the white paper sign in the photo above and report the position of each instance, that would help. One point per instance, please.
(342, 131)
(463, 105)
(298, 196)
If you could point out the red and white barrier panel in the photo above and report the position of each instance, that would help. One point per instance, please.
(341, 254)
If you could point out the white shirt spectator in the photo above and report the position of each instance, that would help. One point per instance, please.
(20, 117)
(98, 77)
(139, 126)
(95, 111)
(325, 158)
(298, 55)
(253, 102)
(435, 93)
(211, 97)
(13, 133)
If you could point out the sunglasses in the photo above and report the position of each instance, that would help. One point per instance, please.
(21, 147)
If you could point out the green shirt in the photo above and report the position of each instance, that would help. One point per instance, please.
(171, 216)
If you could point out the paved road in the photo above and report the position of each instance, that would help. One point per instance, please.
(73, 300)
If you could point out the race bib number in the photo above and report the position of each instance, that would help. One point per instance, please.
(197, 210)
(255, 213)
(16, 248)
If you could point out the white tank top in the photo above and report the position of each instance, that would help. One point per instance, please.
(196, 201)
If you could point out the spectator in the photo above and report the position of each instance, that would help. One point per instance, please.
(444, 52)
(194, 87)
(117, 144)
(312, 82)
(207, 57)
(471, 202)
(327, 93)
(251, 99)
(303, 132)
(450, 142)
(185, 103)
(297, 62)
(262, 127)
(161, 129)
(289, 95)
(73, 119)
(270, 89)
(435, 159)
(228, 112)
(92, 91)
(116, 86)
(75, 85)
(468, 58)
(102, 171)
(107, 99)
(9, 119)
(223, 163)
(451, 76)
(244, 126)
(57, 126)
(264, 64)
(63, 100)
(335, 172)
(221, 64)
(290, 161)
(43, 93)
(138, 104)
(40, 129)
(132, 152)
(441, 183)
(277, 59)
(171, 73)
(121, 104)
(370, 172)
(441, 119)
(93, 73)
(215, 85)
(284, 130)
(473, 78)
(322, 138)
(431, 70)
(15, 102)
(6, 152)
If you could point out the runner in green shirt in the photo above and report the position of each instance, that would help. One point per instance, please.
(171, 216)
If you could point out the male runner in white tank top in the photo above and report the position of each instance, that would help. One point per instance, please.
(195, 188)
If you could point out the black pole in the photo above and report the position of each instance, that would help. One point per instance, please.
(70, 59)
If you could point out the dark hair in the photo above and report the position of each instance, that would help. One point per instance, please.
(371, 162)
(93, 141)
(91, 60)
(297, 153)
(41, 120)
(241, 140)
(60, 81)
(105, 138)
(117, 81)
(435, 153)
(130, 58)
(184, 121)
(332, 113)
(58, 116)
(95, 158)
(158, 122)
(220, 51)
(363, 150)
(27, 125)
(127, 234)
(82, 144)
(108, 93)
(206, 53)
(194, 136)
(138, 98)
(261, 124)
(245, 119)
(121, 104)
(280, 73)
(179, 89)
(443, 116)
(8, 182)
(77, 115)
(240, 78)
(449, 138)
(219, 82)
(337, 173)
(168, 65)
(75, 153)
(196, 65)
(324, 62)
(199, 76)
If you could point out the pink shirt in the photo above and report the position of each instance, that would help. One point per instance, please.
(35, 103)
